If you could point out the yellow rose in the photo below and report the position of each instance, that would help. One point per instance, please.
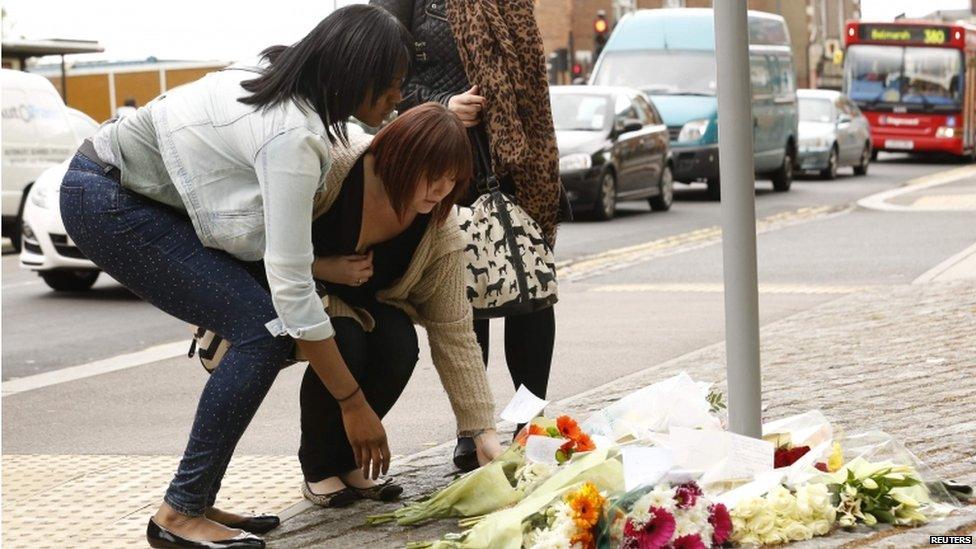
(764, 522)
(797, 531)
(820, 527)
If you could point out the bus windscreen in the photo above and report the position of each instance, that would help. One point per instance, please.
(928, 78)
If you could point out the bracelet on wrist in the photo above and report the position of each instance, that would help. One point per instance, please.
(352, 394)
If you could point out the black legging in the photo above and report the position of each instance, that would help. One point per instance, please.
(529, 340)
(381, 361)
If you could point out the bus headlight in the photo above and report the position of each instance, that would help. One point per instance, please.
(945, 132)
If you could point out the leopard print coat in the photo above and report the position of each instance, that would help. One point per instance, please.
(440, 73)
(500, 46)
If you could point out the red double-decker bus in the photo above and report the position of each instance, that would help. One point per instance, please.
(915, 82)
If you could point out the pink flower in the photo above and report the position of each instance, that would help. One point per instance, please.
(721, 523)
(691, 541)
(686, 495)
(653, 534)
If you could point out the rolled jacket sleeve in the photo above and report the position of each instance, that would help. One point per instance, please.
(290, 168)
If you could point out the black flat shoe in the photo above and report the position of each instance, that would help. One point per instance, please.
(256, 525)
(159, 537)
(466, 454)
(385, 491)
(340, 498)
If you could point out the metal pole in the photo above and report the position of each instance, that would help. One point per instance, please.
(64, 82)
(735, 133)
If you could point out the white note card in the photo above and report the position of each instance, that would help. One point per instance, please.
(540, 449)
(645, 465)
(524, 406)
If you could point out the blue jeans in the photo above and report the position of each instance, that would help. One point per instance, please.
(153, 251)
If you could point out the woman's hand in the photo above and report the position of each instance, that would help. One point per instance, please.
(349, 270)
(366, 436)
(467, 106)
(487, 446)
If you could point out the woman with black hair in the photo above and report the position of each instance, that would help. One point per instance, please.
(177, 201)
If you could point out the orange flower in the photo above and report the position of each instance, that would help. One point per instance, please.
(568, 427)
(584, 443)
(533, 429)
(587, 504)
(584, 538)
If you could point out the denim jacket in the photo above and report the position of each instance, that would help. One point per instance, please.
(248, 178)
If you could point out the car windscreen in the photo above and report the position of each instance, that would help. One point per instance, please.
(579, 112)
(816, 109)
(659, 72)
(925, 77)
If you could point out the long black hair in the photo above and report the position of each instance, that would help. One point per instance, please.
(353, 53)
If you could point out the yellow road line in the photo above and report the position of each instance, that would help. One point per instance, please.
(619, 258)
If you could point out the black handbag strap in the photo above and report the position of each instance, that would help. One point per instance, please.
(487, 181)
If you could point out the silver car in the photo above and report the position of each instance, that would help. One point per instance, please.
(833, 133)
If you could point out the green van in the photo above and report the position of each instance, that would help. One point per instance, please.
(670, 55)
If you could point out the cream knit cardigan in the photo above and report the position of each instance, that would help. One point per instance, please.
(432, 293)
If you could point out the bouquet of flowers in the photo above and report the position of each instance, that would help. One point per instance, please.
(568, 523)
(666, 515)
(782, 516)
(565, 428)
(869, 493)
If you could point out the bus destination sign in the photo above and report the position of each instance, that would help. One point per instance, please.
(931, 36)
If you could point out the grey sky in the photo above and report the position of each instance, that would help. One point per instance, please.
(224, 30)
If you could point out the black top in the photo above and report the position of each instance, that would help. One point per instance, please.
(337, 231)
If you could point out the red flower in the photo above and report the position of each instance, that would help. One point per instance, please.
(821, 466)
(567, 448)
(686, 495)
(531, 430)
(784, 457)
(654, 534)
(691, 541)
(721, 523)
(568, 427)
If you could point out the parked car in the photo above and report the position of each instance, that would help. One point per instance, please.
(670, 55)
(45, 246)
(613, 146)
(37, 134)
(833, 133)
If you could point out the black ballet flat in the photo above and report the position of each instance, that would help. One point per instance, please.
(385, 491)
(256, 525)
(340, 498)
(159, 537)
(466, 454)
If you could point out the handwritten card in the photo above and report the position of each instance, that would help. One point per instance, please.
(539, 449)
(524, 406)
(645, 465)
(724, 456)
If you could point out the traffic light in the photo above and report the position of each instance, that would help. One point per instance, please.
(601, 31)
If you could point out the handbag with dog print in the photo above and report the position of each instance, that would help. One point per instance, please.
(511, 269)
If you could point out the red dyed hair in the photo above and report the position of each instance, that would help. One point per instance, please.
(423, 144)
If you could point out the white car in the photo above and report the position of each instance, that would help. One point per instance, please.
(45, 246)
(38, 133)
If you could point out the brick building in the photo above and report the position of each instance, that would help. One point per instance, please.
(568, 24)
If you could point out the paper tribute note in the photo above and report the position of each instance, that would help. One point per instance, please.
(645, 465)
(724, 456)
(539, 449)
(523, 407)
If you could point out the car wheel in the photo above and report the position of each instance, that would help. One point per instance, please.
(783, 177)
(830, 172)
(714, 189)
(606, 200)
(70, 281)
(665, 197)
(866, 155)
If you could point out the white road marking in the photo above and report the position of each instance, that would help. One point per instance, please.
(22, 284)
(880, 200)
(718, 287)
(104, 366)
